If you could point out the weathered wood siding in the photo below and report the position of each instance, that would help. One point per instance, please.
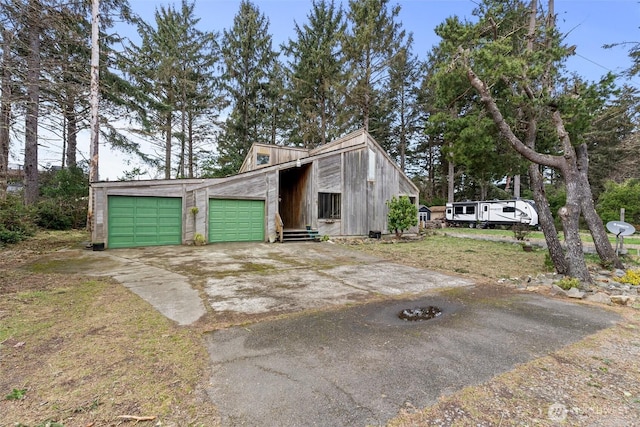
(350, 140)
(329, 174)
(277, 155)
(354, 211)
(98, 222)
(188, 218)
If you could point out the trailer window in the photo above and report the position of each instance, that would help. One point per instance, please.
(508, 209)
(458, 210)
(471, 209)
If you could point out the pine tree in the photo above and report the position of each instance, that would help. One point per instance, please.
(249, 62)
(171, 64)
(373, 40)
(404, 79)
(317, 76)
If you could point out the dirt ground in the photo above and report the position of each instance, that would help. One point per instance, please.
(76, 351)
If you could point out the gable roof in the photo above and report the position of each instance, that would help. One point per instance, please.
(279, 156)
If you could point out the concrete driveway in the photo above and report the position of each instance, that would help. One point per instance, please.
(354, 364)
(184, 282)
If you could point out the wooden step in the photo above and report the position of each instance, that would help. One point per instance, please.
(291, 235)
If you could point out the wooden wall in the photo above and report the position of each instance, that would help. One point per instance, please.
(346, 170)
(277, 155)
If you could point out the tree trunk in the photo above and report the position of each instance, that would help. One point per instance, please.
(167, 145)
(32, 107)
(516, 186)
(72, 133)
(450, 179)
(183, 139)
(190, 140)
(570, 216)
(594, 222)
(556, 253)
(5, 111)
(94, 103)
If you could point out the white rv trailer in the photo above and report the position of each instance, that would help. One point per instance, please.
(491, 213)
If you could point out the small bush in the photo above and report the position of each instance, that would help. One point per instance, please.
(631, 277)
(402, 214)
(199, 240)
(567, 283)
(61, 214)
(16, 221)
(520, 231)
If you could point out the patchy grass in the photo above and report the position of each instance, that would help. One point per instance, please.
(81, 352)
(508, 234)
(476, 258)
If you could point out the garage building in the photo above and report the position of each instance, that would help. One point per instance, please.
(338, 189)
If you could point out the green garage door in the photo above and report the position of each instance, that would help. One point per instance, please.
(144, 221)
(236, 220)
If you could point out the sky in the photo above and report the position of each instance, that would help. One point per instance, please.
(588, 24)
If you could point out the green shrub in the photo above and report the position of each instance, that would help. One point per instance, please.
(63, 203)
(16, 220)
(567, 283)
(616, 196)
(402, 214)
(61, 214)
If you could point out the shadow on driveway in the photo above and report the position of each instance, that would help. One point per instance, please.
(361, 365)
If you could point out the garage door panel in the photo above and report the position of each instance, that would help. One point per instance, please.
(236, 220)
(144, 221)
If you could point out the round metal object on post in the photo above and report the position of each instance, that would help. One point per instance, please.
(620, 228)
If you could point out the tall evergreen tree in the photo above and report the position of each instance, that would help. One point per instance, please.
(170, 64)
(374, 38)
(404, 80)
(249, 61)
(317, 76)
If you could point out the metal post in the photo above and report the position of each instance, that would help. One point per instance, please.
(621, 236)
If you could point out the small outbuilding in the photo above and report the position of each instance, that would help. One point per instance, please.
(424, 214)
(338, 189)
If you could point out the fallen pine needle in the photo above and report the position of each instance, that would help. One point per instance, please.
(135, 418)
